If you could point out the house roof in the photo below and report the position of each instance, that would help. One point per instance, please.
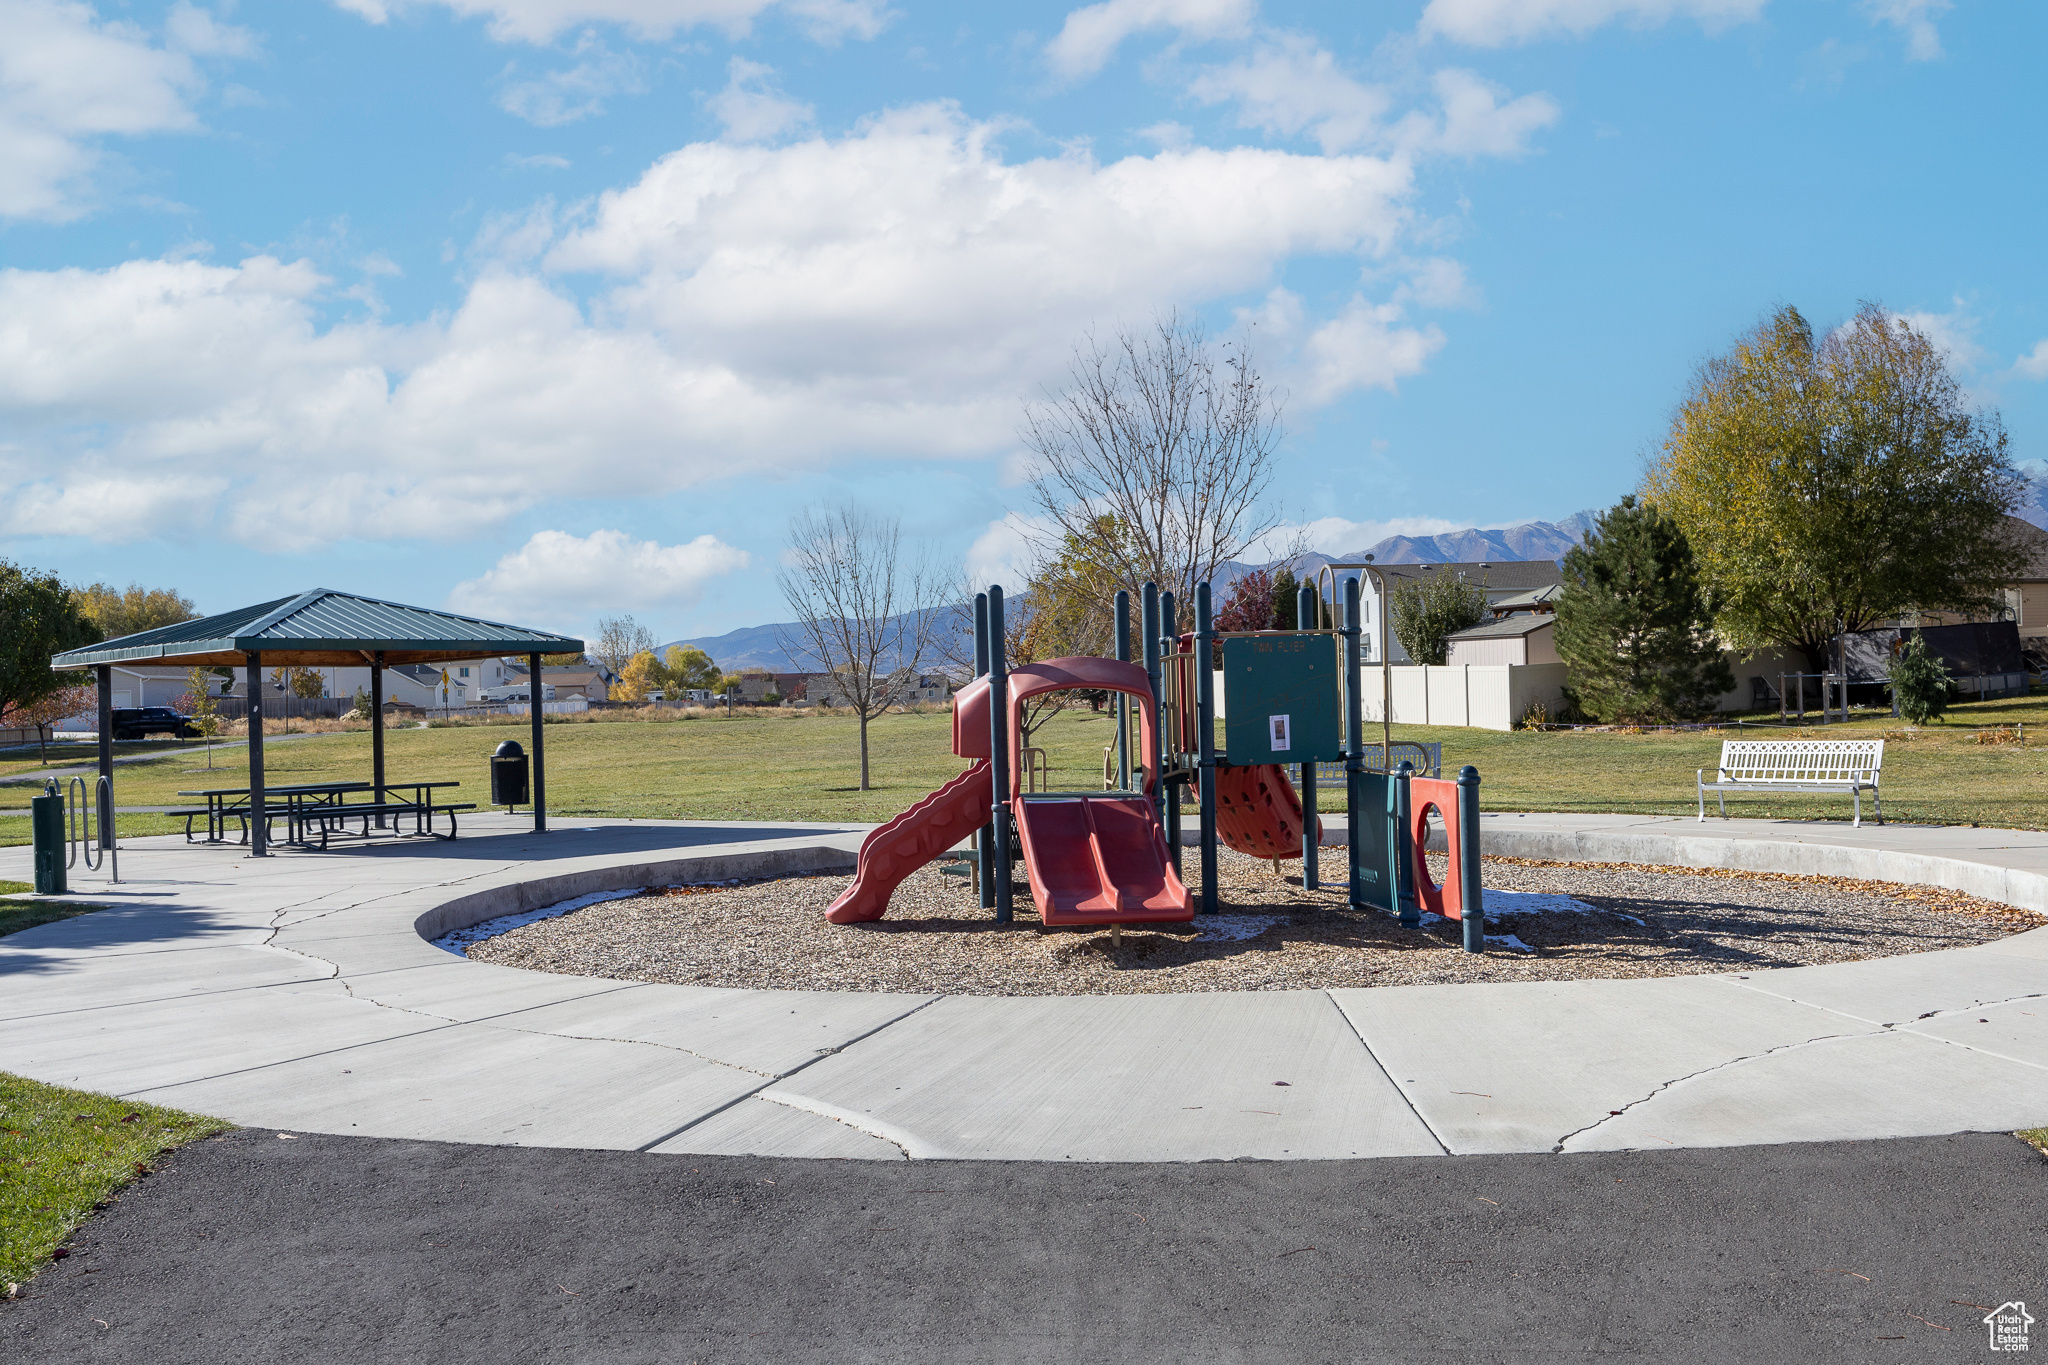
(1507, 628)
(1528, 601)
(1495, 575)
(2033, 542)
(321, 627)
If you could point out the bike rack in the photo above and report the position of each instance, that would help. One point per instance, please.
(85, 828)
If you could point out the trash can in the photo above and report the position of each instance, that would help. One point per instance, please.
(46, 820)
(509, 775)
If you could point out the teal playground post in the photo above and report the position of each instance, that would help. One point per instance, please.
(1311, 849)
(999, 753)
(1205, 740)
(985, 837)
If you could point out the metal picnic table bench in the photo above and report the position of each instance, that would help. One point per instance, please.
(324, 806)
(1849, 766)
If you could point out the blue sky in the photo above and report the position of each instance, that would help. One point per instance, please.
(549, 308)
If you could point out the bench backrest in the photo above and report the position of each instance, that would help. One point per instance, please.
(1801, 760)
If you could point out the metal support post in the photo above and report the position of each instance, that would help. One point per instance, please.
(1169, 645)
(103, 791)
(1123, 701)
(536, 699)
(999, 754)
(1403, 845)
(985, 837)
(1474, 908)
(1148, 627)
(259, 822)
(1205, 741)
(1311, 848)
(377, 734)
(1354, 748)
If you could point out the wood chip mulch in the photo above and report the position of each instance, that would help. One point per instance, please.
(1645, 921)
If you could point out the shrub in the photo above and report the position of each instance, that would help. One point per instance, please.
(1920, 681)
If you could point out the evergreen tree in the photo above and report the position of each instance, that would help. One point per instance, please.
(1633, 623)
(1286, 601)
(1919, 681)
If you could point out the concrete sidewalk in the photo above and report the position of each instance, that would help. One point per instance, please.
(298, 992)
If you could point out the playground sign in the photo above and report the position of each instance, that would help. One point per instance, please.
(1281, 700)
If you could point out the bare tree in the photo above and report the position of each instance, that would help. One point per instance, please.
(619, 638)
(863, 615)
(1155, 459)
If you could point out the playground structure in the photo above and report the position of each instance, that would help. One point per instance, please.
(1293, 702)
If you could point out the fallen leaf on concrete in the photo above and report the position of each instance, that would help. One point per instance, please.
(289, 1137)
(1830, 1270)
(570, 1292)
(1484, 1200)
(60, 1253)
(1283, 1082)
(1937, 1326)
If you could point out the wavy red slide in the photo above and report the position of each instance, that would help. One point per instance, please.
(893, 851)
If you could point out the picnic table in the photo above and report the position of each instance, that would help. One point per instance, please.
(324, 807)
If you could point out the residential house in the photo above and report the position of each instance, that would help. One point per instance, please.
(1523, 638)
(1501, 579)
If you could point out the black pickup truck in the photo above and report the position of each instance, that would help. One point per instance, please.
(153, 720)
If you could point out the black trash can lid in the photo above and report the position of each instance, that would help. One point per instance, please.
(509, 749)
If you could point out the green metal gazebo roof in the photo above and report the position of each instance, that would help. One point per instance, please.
(322, 627)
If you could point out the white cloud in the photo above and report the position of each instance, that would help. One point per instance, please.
(1953, 333)
(1292, 85)
(605, 571)
(1497, 23)
(750, 109)
(1091, 35)
(68, 80)
(548, 161)
(2033, 365)
(1341, 536)
(1366, 346)
(554, 98)
(895, 292)
(1477, 123)
(1005, 553)
(1915, 19)
(540, 21)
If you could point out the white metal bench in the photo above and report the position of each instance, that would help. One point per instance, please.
(1797, 765)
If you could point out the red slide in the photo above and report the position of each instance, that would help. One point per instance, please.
(1099, 860)
(1258, 811)
(895, 850)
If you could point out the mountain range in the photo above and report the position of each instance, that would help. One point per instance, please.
(761, 646)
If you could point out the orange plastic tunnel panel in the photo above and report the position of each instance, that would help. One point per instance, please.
(1258, 812)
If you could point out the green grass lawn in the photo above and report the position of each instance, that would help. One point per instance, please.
(17, 915)
(796, 766)
(64, 1153)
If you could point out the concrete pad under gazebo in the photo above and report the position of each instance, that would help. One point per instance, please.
(319, 628)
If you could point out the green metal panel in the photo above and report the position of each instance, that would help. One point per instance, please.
(1280, 700)
(323, 620)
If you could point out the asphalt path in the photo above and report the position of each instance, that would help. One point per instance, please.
(255, 1248)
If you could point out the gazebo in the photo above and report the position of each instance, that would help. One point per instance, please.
(320, 628)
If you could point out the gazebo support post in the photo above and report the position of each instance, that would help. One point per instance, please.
(103, 800)
(535, 694)
(377, 734)
(259, 825)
